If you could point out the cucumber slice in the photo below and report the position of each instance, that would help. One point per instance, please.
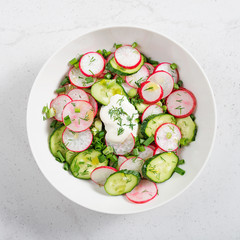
(113, 67)
(160, 167)
(141, 107)
(103, 90)
(56, 143)
(188, 128)
(122, 182)
(70, 156)
(151, 123)
(85, 162)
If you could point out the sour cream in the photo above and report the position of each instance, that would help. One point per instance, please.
(119, 118)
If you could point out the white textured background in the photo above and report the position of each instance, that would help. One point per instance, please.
(30, 31)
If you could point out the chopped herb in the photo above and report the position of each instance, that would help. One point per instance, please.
(117, 45)
(91, 72)
(173, 66)
(180, 109)
(89, 79)
(148, 141)
(179, 100)
(67, 121)
(65, 81)
(73, 61)
(66, 166)
(74, 104)
(134, 45)
(92, 60)
(180, 162)
(175, 86)
(120, 131)
(60, 156)
(180, 83)
(150, 88)
(102, 158)
(179, 171)
(77, 110)
(108, 75)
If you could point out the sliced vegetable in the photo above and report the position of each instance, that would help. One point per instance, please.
(113, 67)
(165, 80)
(181, 103)
(150, 67)
(79, 80)
(124, 147)
(151, 123)
(150, 92)
(150, 110)
(188, 128)
(55, 142)
(78, 121)
(93, 103)
(85, 162)
(103, 90)
(78, 94)
(92, 64)
(166, 66)
(135, 80)
(77, 142)
(58, 104)
(99, 175)
(167, 137)
(122, 182)
(157, 151)
(143, 192)
(134, 163)
(121, 159)
(160, 168)
(147, 153)
(127, 57)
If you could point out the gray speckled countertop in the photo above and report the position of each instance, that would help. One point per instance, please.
(30, 31)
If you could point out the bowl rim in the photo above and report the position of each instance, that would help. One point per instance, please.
(92, 30)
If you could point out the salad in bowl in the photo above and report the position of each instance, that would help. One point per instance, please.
(120, 120)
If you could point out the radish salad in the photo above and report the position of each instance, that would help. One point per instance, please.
(119, 119)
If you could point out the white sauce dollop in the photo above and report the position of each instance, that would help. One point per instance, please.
(119, 118)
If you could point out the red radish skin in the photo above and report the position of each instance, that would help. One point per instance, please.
(164, 79)
(139, 77)
(110, 57)
(150, 67)
(58, 104)
(93, 102)
(87, 137)
(181, 103)
(102, 178)
(125, 147)
(152, 146)
(121, 159)
(83, 120)
(77, 79)
(165, 66)
(161, 140)
(144, 192)
(149, 96)
(150, 110)
(123, 51)
(78, 94)
(87, 58)
(158, 150)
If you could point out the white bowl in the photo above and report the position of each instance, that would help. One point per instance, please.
(157, 46)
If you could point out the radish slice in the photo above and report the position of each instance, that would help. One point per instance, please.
(152, 146)
(78, 94)
(127, 57)
(150, 67)
(68, 88)
(134, 163)
(165, 80)
(167, 137)
(124, 147)
(158, 150)
(147, 153)
(94, 104)
(92, 64)
(99, 175)
(143, 192)
(58, 104)
(121, 159)
(77, 142)
(102, 74)
(150, 110)
(151, 92)
(137, 78)
(78, 115)
(78, 79)
(110, 57)
(126, 87)
(165, 66)
(181, 103)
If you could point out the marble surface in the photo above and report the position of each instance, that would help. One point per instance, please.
(30, 31)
